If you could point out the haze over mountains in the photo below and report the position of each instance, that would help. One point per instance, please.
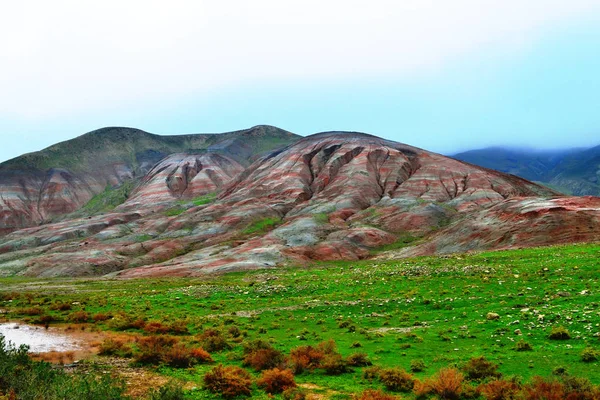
(127, 202)
(572, 171)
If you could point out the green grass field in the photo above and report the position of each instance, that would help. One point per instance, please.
(440, 310)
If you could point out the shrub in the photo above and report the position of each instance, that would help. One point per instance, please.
(500, 390)
(122, 322)
(276, 380)
(262, 359)
(447, 384)
(522, 345)
(371, 373)
(580, 389)
(539, 389)
(560, 371)
(101, 317)
(396, 379)
(213, 340)
(334, 364)
(559, 333)
(294, 394)
(45, 320)
(201, 356)
(171, 391)
(234, 331)
(60, 306)
(478, 368)
(589, 355)
(327, 347)
(178, 327)
(79, 317)
(371, 394)
(152, 348)
(111, 347)
(155, 327)
(359, 360)
(228, 381)
(305, 358)
(251, 346)
(31, 311)
(417, 365)
(178, 356)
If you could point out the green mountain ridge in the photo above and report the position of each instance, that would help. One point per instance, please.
(40, 186)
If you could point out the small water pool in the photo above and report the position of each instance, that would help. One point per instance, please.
(38, 339)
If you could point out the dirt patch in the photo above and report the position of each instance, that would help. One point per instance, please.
(323, 394)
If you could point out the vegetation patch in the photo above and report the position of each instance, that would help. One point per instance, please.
(110, 198)
(262, 226)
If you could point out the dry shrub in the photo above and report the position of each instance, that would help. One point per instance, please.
(155, 327)
(422, 389)
(294, 394)
(500, 390)
(396, 379)
(228, 381)
(201, 355)
(359, 360)
(262, 359)
(213, 340)
(371, 394)
(327, 347)
(152, 348)
(138, 324)
(478, 368)
(371, 373)
(31, 311)
(276, 380)
(111, 347)
(540, 389)
(447, 384)
(580, 389)
(251, 346)
(559, 333)
(304, 358)
(79, 316)
(46, 320)
(334, 364)
(7, 296)
(101, 317)
(180, 356)
(60, 306)
(178, 327)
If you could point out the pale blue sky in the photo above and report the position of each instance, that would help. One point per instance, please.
(446, 79)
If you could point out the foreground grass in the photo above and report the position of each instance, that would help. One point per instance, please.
(439, 310)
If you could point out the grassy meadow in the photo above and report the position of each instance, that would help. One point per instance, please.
(528, 312)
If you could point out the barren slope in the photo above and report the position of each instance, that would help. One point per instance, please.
(328, 196)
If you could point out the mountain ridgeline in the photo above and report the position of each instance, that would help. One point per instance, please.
(40, 187)
(573, 171)
(127, 203)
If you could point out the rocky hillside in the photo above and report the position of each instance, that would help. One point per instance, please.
(39, 187)
(330, 196)
(575, 171)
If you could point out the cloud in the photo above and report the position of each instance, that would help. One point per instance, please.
(58, 58)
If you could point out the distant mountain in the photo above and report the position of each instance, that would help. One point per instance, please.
(574, 171)
(39, 187)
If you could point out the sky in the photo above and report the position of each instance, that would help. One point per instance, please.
(443, 75)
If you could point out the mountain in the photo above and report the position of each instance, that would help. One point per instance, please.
(329, 196)
(573, 171)
(43, 186)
